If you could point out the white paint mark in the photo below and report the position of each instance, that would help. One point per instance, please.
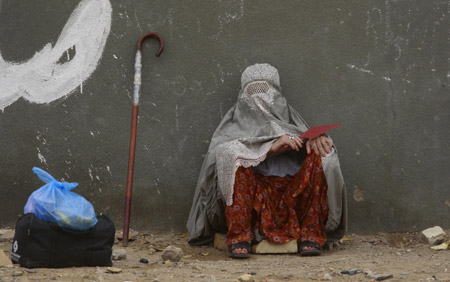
(90, 174)
(176, 117)
(221, 72)
(108, 169)
(388, 79)
(115, 57)
(92, 133)
(42, 79)
(137, 21)
(41, 157)
(97, 177)
(70, 153)
(359, 69)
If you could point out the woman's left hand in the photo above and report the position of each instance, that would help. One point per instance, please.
(321, 145)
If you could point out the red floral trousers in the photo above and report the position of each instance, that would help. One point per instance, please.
(281, 208)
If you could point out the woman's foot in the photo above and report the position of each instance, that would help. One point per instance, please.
(239, 250)
(308, 248)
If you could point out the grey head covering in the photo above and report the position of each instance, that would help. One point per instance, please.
(263, 72)
(243, 138)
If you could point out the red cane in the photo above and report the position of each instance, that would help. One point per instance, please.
(134, 119)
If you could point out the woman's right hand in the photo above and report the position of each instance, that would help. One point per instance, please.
(285, 143)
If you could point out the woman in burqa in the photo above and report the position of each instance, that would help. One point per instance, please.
(260, 180)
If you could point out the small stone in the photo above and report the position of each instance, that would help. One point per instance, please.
(172, 253)
(404, 273)
(155, 280)
(381, 277)
(17, 273)
(119, 254)
(139, 272)
(4, 260)
(434, 235)
(132, 235)
(246, 278)
(85, 276)
(327, 277)
(30, 270)
(368, 272)
(220, 242)
(151, 251)
(114, 270)
(143, 260)
(350, 272)
(6, 235)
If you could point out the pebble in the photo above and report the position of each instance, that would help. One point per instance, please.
(327, 277)
(246, 278)
(113, 270)
(404, 273)
(30, 270)
(172, 253)
(350, 272)
(380, 277)
(4, 259)
(17, 273)
(143, 260)
(132, 235)
(119, 254)
(6, 235)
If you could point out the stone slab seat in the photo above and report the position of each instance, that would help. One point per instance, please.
(263, 247)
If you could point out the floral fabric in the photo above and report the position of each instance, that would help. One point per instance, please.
(281, 208)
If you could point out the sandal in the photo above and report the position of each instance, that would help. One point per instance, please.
(316, 251)
(240, 245)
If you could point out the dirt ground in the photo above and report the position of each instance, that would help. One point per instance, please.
(404, 255)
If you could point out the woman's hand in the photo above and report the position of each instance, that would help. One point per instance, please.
(285, 143)
(320, 145)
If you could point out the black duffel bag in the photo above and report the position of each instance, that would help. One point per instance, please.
(39, 243)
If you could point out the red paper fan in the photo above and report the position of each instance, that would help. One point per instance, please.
(316, 131)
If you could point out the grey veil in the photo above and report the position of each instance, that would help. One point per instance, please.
(243, 138)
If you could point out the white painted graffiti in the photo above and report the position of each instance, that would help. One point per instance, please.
(43, 78)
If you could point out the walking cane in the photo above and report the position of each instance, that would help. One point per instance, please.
(134, 120)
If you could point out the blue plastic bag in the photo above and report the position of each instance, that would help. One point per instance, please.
(55, 202)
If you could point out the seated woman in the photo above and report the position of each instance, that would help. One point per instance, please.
(260, 180)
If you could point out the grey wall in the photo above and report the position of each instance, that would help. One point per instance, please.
(382, 68)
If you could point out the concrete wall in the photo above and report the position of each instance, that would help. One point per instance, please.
(379, 67)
